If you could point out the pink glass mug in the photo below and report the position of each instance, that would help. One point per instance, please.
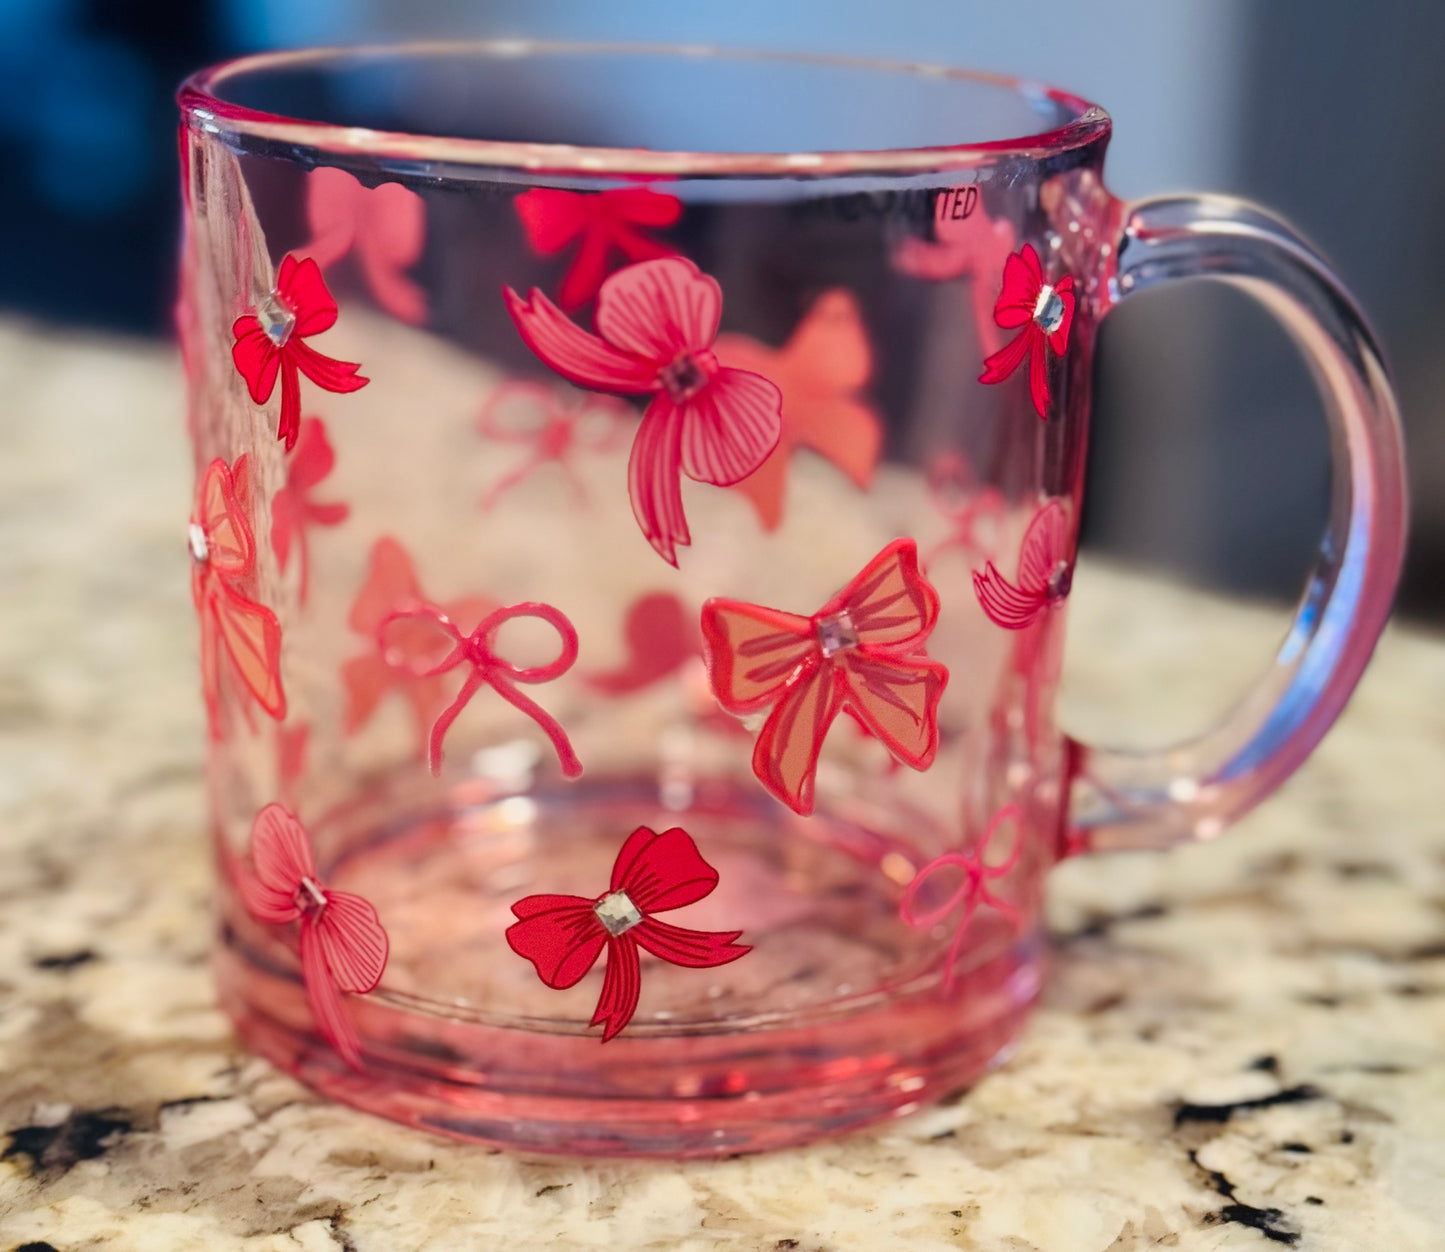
(636, 506)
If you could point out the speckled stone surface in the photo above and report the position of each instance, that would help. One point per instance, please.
(1243, 1043)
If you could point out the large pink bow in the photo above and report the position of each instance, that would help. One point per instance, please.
(656, 325)
(564, 935)
(862, 651)
(342, 943)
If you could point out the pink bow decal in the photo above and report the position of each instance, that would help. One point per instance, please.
(605, 221)
(966, 243)
(972, 889)
(1044, 574)
(660, 639)
(385, 226)
(552, 426)
(966, 506)
(396, 637)
(564, 935)
(656, 325)
(1044, 312)
(862, 651)
(272, 340)
(343, 946)
(223, 561)
(293, 511)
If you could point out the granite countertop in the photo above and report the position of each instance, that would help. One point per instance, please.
(1242, 1044)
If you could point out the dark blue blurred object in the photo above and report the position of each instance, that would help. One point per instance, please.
(88, 214)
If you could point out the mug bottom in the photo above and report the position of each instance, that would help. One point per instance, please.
(840, 1016)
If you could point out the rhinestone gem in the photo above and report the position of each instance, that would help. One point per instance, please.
(1049, 310)
(1061, 580)
(682, 379)
(200, 549)
(836, 633)
(275, 318)
(617, 913)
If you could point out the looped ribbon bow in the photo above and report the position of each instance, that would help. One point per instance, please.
(972, 889)
(487, 668)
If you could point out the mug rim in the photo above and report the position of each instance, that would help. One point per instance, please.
(202, 105)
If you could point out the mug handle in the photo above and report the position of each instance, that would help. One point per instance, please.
(1193, 790)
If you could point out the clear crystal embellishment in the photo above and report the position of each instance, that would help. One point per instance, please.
(1061, 579)
(617, 913)
(200, 549)
(1049, 310)
(275, 318)
(309, 896)
(837, 633)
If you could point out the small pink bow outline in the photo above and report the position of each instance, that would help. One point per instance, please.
(554, 425)
(1041, 313)
(487, 668)
(972, 889)
(954, 490)
(342, 944)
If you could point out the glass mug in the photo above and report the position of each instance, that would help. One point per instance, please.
(636, 506)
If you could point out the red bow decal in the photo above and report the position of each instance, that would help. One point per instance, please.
(553, 425)
(606, 221)
(223, 554)
(343, 946)
(292, 508)
(399, 634)
(656, 324)
(271, 341)
(564, 935)
(1045, 312)
(862, 651)
(972, 889)
(384, 225)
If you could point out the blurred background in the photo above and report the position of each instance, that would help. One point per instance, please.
(1209, 457)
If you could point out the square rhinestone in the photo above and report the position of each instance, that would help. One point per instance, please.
(276, 319)
(617, 913)
(836, 633)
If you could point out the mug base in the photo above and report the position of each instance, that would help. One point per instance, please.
(839, 1016)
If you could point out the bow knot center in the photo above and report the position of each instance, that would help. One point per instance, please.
(617, 913)
(686, 374)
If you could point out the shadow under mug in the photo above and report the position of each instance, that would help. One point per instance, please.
(637, 493)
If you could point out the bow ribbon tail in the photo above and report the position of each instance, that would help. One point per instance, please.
(444, 721)
(621, 986)
(695, 949)
(503, 686)
(324, 997)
